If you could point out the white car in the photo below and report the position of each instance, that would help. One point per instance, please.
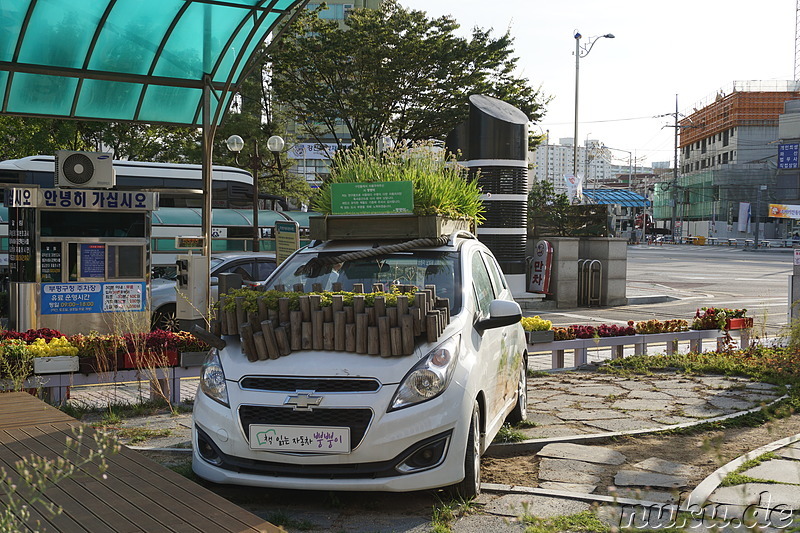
(252, 266)
(400, 423)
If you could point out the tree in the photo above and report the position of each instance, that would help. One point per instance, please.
(25, 136)
(551, 214)
(393, 71)
(254, 117)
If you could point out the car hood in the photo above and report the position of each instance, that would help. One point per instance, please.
(322, 363)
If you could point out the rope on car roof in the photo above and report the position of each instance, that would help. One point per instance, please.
(317, 262)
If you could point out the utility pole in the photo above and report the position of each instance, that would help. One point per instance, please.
(675, 167)
(675, 174)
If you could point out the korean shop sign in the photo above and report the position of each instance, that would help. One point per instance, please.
(370, 198)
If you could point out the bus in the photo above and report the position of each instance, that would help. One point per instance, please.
(180, 203)
(178, 184)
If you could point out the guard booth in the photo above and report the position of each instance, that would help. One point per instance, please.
(79, 259)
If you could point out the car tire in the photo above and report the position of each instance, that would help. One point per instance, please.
(164, 317)
(520, 411)
(470, 486)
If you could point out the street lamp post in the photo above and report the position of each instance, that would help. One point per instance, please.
(275, 145)
(581, 51)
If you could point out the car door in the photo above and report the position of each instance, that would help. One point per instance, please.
(508, 367)
(490, 352)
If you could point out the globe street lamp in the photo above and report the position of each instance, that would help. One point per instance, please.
(581, 51)
(275, 145)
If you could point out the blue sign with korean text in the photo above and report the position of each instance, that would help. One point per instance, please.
(70, 298)
(789, 155)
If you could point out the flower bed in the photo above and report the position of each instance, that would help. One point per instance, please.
(95, 353)
(720, 318)
(591, 332)
(658, 326)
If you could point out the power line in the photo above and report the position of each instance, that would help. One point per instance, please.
(598, 121)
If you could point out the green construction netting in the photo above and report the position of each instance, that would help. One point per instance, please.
(131, 60)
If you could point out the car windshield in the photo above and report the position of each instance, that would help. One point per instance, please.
(216, 262)
(413, 268)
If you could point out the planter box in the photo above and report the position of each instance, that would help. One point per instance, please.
(540, 336)
(135, 360)
(58, 364)
(193, 358)
(99, 365)
(739, 323)
(358, 227)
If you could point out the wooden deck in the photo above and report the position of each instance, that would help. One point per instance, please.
(138, 495)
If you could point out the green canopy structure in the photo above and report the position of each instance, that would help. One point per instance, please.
(155, 61)
(130, 60)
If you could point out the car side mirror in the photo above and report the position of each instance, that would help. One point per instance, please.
(501, 313)
(214, 281)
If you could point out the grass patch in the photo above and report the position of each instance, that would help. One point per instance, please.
(508, 434)
(538, 374)
(583, 521)
(282, 518)
(137, 435)
(737, 478)
(186, 471)
(444, 515)
(114, 412)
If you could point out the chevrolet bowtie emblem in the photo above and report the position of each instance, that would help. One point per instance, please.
(302, 401)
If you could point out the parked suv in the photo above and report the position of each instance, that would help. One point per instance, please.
(336, 420)
(253, 267)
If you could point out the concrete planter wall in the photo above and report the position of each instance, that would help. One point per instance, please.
(611, 252)
(564, 274)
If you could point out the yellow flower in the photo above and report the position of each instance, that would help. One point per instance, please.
(535, 323)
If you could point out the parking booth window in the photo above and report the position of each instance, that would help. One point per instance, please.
(125, 262)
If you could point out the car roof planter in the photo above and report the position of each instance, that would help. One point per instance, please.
(376, 323)
(401, 226)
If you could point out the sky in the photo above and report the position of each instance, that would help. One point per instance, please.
(688, 48)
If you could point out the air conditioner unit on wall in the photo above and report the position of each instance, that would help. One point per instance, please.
(86, 170)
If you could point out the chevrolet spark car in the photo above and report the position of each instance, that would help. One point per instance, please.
(333, 420)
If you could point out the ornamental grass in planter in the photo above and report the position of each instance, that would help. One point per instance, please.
(439, 185)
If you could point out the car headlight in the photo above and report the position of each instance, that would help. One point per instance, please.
(429, 377)
(212, 379)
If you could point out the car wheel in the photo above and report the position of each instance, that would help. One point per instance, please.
(470, 487)
(520, 411)
(164, 318)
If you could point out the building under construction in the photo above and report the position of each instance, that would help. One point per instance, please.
(728, 163)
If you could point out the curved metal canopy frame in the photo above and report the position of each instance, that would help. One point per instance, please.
(130, 60)
(152, 61)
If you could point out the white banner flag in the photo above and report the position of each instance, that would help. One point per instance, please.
(744, 216)
(574, 188)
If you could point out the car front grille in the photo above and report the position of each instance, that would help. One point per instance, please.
(290, 384)
(356, 419)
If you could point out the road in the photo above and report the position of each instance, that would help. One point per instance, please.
(696, 276)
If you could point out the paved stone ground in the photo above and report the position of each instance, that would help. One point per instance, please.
(561, 404)
(587, 402)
